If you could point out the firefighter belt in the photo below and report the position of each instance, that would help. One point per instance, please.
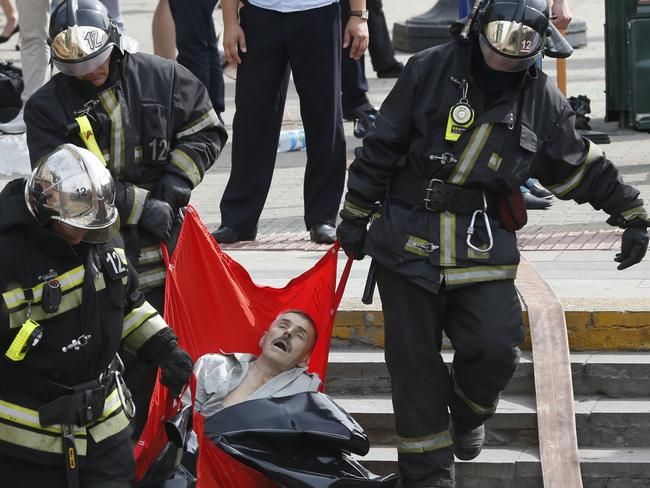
(437, 196)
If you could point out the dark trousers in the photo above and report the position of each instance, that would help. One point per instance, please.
(380, 46)
(310, 43)
(353, 74)
(382, 55)
(196, 41)
(103, 468)
(483, 323)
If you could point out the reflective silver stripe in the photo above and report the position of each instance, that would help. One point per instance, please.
(108, 99)
(633, 213)
(469, 155)
(356, 211)
(475, 274)
(447, 239)
(70, 300)
(138, 154)
(424, 444)
(593, 154)
(144, 332)
(111, 426)
(475, 407)
(209, 119)
(49, 443)
(149, 279)
(136, 317)
(150, 255)
(16, 297)
(24, 416)
(139, 199)
(183, 161)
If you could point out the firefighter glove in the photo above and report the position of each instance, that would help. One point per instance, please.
(176, 370)
(351, 234)
(174, 190)
(634, 245)
(157, 218)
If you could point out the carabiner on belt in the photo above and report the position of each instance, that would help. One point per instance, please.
(470, 229)
(123, 392)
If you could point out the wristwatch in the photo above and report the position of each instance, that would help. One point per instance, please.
(359, 13)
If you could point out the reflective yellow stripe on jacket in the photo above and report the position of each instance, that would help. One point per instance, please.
(21, 426)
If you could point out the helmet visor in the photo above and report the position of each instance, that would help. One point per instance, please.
(82, 67)
(79, 50)
(501, 62)
(73, 187)
(513, 39)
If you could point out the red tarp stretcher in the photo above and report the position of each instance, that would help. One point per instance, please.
(213, 305)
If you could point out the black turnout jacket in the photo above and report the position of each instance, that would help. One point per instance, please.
(151, 117)
(527, 131)
(104, 306)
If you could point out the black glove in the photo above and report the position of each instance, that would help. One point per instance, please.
(174, 190)
(176, 370)
(157, 218)
(634, 244)
(351, 234)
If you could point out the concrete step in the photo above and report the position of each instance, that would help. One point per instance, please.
(362, 371)
(600, 422)
(520, 467)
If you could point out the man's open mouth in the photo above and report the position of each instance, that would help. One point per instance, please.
(281, 344)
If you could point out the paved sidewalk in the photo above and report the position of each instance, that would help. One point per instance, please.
(573, 274)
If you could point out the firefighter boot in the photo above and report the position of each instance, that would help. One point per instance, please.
(468, 444)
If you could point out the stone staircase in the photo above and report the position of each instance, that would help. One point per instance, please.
(612, 405)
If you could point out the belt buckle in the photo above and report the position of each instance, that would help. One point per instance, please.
(427, 196)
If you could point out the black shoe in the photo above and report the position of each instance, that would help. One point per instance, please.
(322, 233)
(539, 191)
(392, 72)
(364, 117)
(468, 444)
(535, 203)
(4, 39)
(358, 112)
(228, 235)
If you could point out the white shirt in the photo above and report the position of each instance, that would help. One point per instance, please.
(285, 6)
(219, 374)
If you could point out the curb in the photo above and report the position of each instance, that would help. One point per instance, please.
(588, 330)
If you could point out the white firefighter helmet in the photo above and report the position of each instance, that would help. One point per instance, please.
(72, 186)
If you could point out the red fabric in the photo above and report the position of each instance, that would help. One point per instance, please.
(213, 305)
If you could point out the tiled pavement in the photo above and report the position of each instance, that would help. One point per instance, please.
(551, 232)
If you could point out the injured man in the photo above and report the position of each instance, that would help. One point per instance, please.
(280, 370)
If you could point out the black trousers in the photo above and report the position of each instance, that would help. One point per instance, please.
(483, 323)
(380, 46)
(353, 73)
(103, 468)
(196, 41)
(382, 55)
(310, 43)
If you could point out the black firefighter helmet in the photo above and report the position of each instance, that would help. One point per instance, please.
(513, 33)
(82, 36)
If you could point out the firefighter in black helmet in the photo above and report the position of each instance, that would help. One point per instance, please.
(153, 124)
(438, 178)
